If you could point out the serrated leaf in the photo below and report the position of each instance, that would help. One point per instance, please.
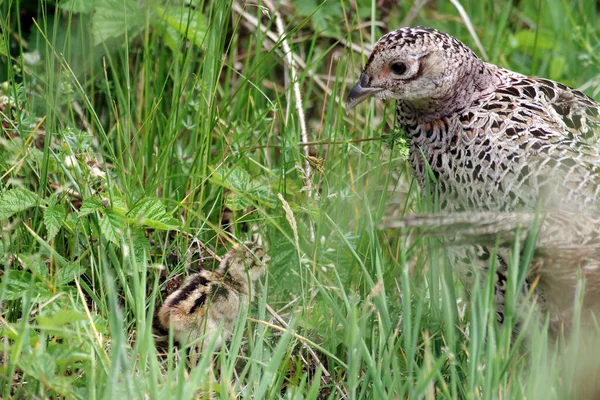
(63, 352)
(238, 180)
(34, 263)
(67, 273)
(185, 21)
(77, 6)
(150, 212)
(111, 226)
(284, 254)
(114, 18)
(260, 190)
(60, 318)
(42, 367)
(17, 284)
(246, 191)
(16, 200)
(89, 206)
(141, 245)
(53, 219)
(116, 203)
(235, 202)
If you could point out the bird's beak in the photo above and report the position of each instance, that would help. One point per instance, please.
(361, 92)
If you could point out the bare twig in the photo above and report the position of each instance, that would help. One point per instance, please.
(289, 59)
(412, 13)
(364, 50)
(70, 192)
(251, 22)
(469, 25)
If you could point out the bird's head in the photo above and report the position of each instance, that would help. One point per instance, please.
(420, 66)
(244, 261)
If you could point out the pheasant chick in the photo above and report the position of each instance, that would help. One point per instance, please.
(207, 304)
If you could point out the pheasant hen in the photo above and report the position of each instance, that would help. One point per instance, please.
(498, 142)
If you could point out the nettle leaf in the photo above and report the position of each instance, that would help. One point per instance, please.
(140, 244)
(16, 200)
(114, 18)
(89, 206)
(324, 15)
(116, 203)
(150, 212)
(235, 201)
(17, 284)
(77, 6)
(261, 191)
(182, 22)
(246, 191)
(284, 257)
(54, 216)
(60, 318)
(78, 141)
(67, 273)
(42, 367)
(34, 263)
(238, 180)
(112, 225)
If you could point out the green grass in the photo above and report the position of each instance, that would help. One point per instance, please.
(118, 145)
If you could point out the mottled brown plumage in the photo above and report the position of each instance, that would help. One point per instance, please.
(501, 142)
(206, 306)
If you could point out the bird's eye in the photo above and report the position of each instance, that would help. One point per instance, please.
(399, 68)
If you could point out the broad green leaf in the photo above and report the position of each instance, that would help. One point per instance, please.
(34, 263)
(89, 206)
(67, 273)
(111, 226)
(114, 18)
(238, 180)
(64, 353)
(261, 190)
(16, 200)
(185, 21)
(236, 201)
(150, 212)
(324, 15)
(116, 203)
(527, 41)
(42, 367)
(141, 245)
(60, 318)
(77, 6)
(17, 284)
(53, 219)
(244, 191)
